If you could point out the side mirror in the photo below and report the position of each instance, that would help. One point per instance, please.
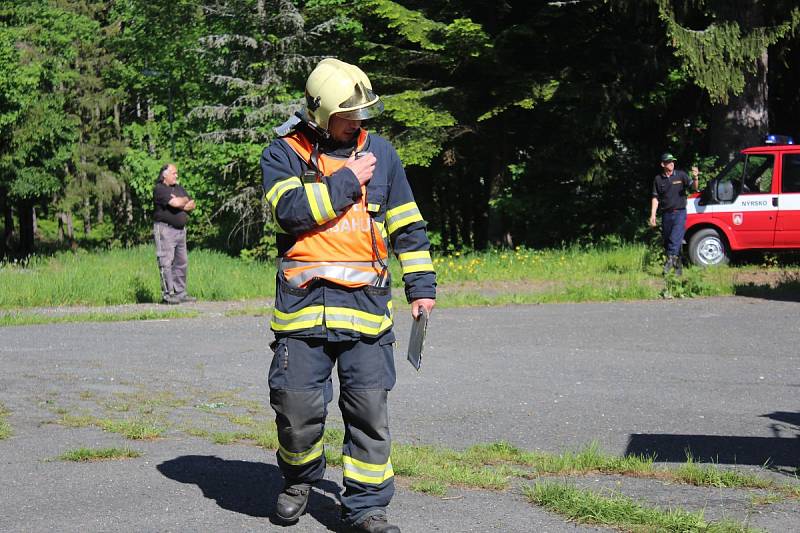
(718, 192)
(725, 193)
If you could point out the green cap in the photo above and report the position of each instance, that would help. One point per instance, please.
(666, 157)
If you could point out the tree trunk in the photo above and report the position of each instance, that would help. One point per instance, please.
(744, 119)
(117, 126)
(122, 215)
(100, 212)
(4, 208)
(8, 226)
(26, 227)
(60, 218)
(151, 117)
(87, 217)
(65, 227)
(70, 226)
(496, 183)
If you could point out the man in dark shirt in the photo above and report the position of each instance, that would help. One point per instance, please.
(170, 214)
(670, 188)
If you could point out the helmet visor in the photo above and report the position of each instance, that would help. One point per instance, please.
(362, 113)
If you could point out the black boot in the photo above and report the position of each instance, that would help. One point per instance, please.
(668, 264)
(292, 502)
(376, 523)
(676, 262)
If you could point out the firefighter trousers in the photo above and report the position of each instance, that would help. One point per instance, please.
(300, 390)
(673, 227)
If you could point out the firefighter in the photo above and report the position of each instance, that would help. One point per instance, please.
(669, 191)
(341, 199)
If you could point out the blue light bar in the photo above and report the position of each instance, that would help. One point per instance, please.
(772, 138)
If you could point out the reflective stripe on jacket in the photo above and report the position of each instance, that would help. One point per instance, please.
(346, 248)
(312, 300)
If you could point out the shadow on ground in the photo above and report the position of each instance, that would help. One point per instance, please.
(780, 452)
(785, 291)
(247, 487)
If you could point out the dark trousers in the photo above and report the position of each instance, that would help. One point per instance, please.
(673, 227)
(300, 390)
(172, 257)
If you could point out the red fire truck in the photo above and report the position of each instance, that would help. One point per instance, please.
(753, 204)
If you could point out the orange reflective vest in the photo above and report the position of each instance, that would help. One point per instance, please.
(350, 249)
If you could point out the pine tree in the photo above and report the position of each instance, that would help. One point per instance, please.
(92, 178)
(258, 57)
(19, 77)
(728, 57)
(35, 161)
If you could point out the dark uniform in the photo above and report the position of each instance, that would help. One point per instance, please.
(169, 232)
(671, 193)
(319, 320)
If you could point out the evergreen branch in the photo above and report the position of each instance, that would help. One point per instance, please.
(216, 10)
(263, 114)
(216, 112)
(232, 82)
(325, 27)
(289, 17)
(251, 100)
(718, 57)
(234, 134)
(218, 41)
(567, 3)
(297, 62)
(250, 212)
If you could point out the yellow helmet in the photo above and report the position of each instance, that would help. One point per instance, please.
(338, 88)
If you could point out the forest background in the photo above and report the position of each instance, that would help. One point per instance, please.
(520, 122)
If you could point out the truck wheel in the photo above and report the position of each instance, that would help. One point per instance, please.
(707, 248)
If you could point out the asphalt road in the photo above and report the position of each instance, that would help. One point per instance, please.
(719, 376)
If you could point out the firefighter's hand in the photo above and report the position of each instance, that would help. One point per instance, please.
(695, 172)
(362, 167)
(652, 221)
(427, 303)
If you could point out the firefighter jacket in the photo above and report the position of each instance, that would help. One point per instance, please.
(334, 236)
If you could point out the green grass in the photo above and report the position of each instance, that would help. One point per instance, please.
(588, 459)
(621, 512)
(707, 475)
(573, 274)
(102, 454)
(197, 432)
(486, 466)
(249, 311)
(22, 319)
(5, 427)
(140, 428)
(133, 428)
(241, 420)
(431, 469)
(227, 437)
(433, 488)
(147, 401)
(75, 421)
(491, 466)
(766, 499)
(519, 276)
(128, 276)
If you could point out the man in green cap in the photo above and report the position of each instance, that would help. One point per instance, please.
(670, 188)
